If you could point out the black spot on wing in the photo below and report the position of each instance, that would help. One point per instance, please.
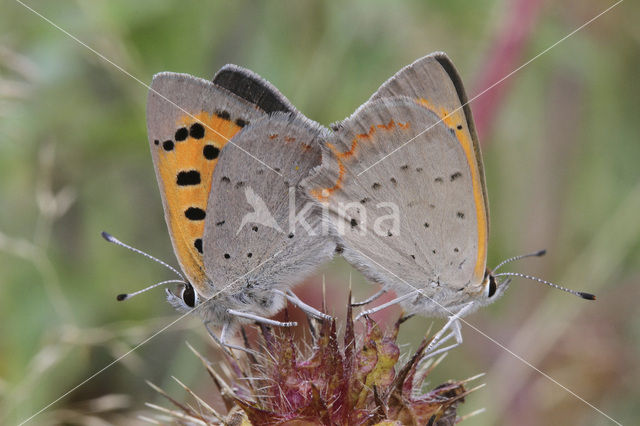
(196, 131)
(198, 245)
(195, 213)
(210, 152)
(167, 145)
(188, 177)
(223, 115)
(181, 134)
(455, 176)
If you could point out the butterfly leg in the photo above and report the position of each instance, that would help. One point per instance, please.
(222, 339)
(454, 332)
(386, 305)
(225, 329)
(307, 309)
(260, 319)
(437, 349)
(369, 299)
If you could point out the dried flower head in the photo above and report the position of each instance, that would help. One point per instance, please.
(360, 383)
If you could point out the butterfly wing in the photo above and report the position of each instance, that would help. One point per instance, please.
(249, 246)
(189, 121)
(433, 244)
(436, 84)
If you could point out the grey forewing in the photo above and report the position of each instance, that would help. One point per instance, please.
(267, 258)
(173, 95)
(430, 183)
(253, 88)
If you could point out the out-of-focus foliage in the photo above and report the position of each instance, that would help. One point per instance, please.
(561, 160)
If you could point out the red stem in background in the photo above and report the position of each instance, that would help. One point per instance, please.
(504, 56)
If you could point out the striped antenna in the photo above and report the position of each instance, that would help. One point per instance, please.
(522, 256)
(126, 296)
(117, 242)
(582, 294)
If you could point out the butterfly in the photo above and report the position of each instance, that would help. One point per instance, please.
(229, 156)
(402, 182)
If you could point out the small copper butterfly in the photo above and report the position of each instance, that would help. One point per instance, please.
(220, 148)
(413, 146)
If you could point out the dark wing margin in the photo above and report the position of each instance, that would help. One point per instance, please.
(451, 70)
(252, 88)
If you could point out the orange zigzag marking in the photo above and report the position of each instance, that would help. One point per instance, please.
(322, 194)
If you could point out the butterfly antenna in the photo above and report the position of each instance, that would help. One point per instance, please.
(125, 296)
(522, 256)
(116, 241)
(582, 294)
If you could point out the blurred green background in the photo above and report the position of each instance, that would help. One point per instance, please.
(562, 158)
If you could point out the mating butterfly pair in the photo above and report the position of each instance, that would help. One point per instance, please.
(256, 195)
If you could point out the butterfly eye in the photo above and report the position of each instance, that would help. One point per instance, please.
(189, 295)
(492, 286)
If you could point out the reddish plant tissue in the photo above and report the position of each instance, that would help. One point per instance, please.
(504, 57)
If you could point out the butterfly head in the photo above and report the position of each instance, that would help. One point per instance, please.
(492, 288)
(185, 299)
